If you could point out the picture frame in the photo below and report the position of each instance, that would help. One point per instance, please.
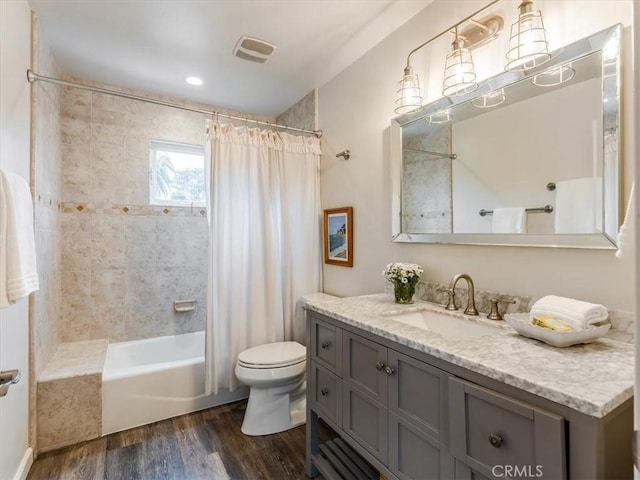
(338, 236)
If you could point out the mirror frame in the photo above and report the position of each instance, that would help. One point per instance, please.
(578, 49)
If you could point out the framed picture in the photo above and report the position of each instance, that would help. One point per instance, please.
(338, 236)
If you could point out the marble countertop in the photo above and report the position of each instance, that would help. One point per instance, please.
(593, 379)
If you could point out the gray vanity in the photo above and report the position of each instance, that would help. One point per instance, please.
(417, 404)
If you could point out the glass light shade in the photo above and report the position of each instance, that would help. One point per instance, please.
(459, 72)
(528, 46)
(554, 76)
(441, 116)
(408, 95)
(490, 100)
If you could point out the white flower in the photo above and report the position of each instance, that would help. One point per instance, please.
(402, 272)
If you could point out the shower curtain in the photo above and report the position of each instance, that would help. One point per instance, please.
(263, 207)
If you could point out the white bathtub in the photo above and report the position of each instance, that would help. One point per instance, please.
(149, 380)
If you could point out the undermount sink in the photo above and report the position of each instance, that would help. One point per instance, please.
(445, 325)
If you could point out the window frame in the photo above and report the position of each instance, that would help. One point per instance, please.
(173, 147)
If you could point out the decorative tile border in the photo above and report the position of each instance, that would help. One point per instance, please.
(120, 209)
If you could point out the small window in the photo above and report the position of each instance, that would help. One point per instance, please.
(177, 174)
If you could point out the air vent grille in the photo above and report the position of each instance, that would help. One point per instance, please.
(253, 49)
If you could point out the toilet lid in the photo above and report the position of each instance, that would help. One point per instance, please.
(273, 355)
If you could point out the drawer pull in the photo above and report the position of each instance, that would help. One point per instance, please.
(324, 392)
(389, 371)
(325, 345)
(380, 366)
(495, 440)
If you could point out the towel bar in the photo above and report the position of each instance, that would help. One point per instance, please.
(545, 209)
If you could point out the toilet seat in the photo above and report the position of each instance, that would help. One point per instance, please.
(273, 355)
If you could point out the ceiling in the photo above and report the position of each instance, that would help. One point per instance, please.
(153, 45)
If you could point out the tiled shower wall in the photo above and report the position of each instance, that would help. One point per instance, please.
(46, 179)
(124, 262)
(426, 183)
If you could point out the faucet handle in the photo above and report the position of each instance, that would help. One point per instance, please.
(494, 313)
(451, 303)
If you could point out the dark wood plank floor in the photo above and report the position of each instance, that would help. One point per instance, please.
(201, 445)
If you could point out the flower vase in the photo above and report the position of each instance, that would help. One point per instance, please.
(404, 292)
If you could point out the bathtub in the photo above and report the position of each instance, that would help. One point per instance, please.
(149, 380)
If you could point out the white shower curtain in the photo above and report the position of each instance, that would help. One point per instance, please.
(263, 199)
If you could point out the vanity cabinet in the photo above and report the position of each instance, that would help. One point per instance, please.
(416, 417)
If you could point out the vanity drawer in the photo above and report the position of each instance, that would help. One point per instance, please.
(489, 429)
(326, 393)
(326, 345)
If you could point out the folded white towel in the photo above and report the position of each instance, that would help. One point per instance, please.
(17, 242)
(509, 220)
(576, 313)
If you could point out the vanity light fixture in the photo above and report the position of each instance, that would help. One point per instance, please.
(528, 46)
(408, 94)
(554, 76)
(441, 116)
(459, 72)
(460, 77)
(490, 100)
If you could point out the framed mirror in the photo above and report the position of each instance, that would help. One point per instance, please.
(529, 158)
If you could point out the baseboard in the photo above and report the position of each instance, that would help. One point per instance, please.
(25, 465)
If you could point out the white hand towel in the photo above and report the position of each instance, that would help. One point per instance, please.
(509, 220)
(579, 205)
(17, 242)
(576, 313)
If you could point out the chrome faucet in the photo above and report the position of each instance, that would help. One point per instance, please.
(471, 303)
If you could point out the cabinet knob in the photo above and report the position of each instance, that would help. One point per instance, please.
(495, 440)
(325, 345)
(389, 371)
(380, 366)
(324, 392)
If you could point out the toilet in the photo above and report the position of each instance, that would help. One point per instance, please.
(275, 372)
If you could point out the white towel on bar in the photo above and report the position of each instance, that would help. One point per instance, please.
(579, 205)
(580, 315)
(19, 276)
(509, 220)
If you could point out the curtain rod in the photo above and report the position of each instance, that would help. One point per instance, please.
(32, 77)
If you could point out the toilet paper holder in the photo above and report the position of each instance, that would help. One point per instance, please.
(184, 305)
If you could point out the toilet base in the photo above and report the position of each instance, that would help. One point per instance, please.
(269, 411)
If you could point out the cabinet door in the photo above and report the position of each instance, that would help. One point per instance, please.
(364, 364)
(366, 421)
(412, 453)
(496, 435)
(326, 345)
(415, 393)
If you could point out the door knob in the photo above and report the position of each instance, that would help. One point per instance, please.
(389, 371)
(326, 345)
(380, 366)
(324, 392)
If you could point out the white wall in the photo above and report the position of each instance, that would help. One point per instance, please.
(355, 109)
(15, 57)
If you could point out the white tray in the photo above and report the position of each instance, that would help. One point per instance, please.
(521, 323)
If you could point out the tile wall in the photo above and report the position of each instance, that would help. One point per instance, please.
(426, 183)
(123, 261)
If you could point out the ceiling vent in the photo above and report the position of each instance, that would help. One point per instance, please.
(253, 49)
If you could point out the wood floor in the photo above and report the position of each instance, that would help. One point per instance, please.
(201, 445)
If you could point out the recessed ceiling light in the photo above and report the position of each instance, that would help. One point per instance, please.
(194, 81)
